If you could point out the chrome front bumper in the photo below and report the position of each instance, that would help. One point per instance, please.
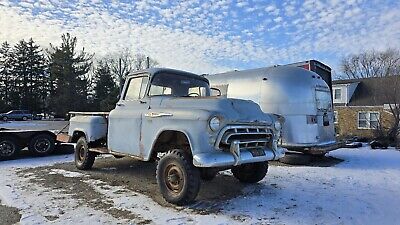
(235, 156)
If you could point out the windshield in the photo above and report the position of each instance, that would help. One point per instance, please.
(323, 100)
(178, 86)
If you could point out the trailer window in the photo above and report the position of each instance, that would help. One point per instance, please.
(323, 100)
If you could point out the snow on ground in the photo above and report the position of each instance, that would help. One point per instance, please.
(19, 124)
(364, 189)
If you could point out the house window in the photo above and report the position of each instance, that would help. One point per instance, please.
(368, 120)
(335, 117)
(338, 94)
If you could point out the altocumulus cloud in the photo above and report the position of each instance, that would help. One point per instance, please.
(210, 36)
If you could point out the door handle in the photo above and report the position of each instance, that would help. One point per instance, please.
(120, 104)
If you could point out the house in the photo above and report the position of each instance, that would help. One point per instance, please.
(361, 104)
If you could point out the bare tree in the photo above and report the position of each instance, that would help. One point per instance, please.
(386, 66)
(371, 64)
(389, 131)
(125, 63)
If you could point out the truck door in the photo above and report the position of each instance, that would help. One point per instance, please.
(125, 121)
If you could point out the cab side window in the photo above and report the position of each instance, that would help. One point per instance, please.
(136, 88)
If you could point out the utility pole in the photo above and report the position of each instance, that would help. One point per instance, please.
(120, 75)
(148, 62)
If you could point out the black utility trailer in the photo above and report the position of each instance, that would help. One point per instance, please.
(39, 142)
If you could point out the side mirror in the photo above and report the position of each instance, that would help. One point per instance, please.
(215, 92)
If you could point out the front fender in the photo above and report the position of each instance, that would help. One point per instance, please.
(193, 127)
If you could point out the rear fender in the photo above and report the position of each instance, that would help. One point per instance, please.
(76, 134)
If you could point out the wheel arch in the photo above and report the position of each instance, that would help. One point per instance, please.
(78, 134)
(34, 134)
(172, 137)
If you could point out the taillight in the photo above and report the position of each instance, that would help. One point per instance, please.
(325, 119)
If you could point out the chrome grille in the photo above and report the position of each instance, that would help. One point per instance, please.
(247, 136)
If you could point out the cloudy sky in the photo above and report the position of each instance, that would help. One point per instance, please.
(210, 36)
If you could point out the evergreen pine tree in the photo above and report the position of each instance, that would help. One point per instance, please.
(68, 76)
(105, 90)
(29, 69)
(6, 56)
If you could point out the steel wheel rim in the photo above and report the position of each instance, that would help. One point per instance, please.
(174, 179)
(42, 145)
(6, 148)
(81, 153)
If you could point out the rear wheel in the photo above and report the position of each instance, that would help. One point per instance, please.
(9, 148)
(42, 144)
(24, 118)
(177, 178)
(250, 173)
(84, 158)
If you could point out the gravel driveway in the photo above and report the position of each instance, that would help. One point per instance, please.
(9, 215)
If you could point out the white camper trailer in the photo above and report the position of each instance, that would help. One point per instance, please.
(301, 96)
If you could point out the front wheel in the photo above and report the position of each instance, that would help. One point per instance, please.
(250, 173)
(177, 178)
(207, 174)
(24, 118)
(84, 158)
(5, 118)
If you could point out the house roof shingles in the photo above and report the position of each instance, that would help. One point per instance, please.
(374, 91)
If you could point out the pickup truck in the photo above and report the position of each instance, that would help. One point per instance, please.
(169, 116)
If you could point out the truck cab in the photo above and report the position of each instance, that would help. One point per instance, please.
(169, 116)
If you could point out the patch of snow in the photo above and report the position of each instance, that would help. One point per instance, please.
(16, 124)
(38, 203)
(36, 161)
(144, 206)
(66, 173)
(364, 189)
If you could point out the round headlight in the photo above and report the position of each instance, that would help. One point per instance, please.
(277, 125)
(214, 123)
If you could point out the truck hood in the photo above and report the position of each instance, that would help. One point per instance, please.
(232, 110)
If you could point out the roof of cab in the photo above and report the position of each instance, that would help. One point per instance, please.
(153, 71)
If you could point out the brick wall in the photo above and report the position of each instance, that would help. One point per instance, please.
(347, 124)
